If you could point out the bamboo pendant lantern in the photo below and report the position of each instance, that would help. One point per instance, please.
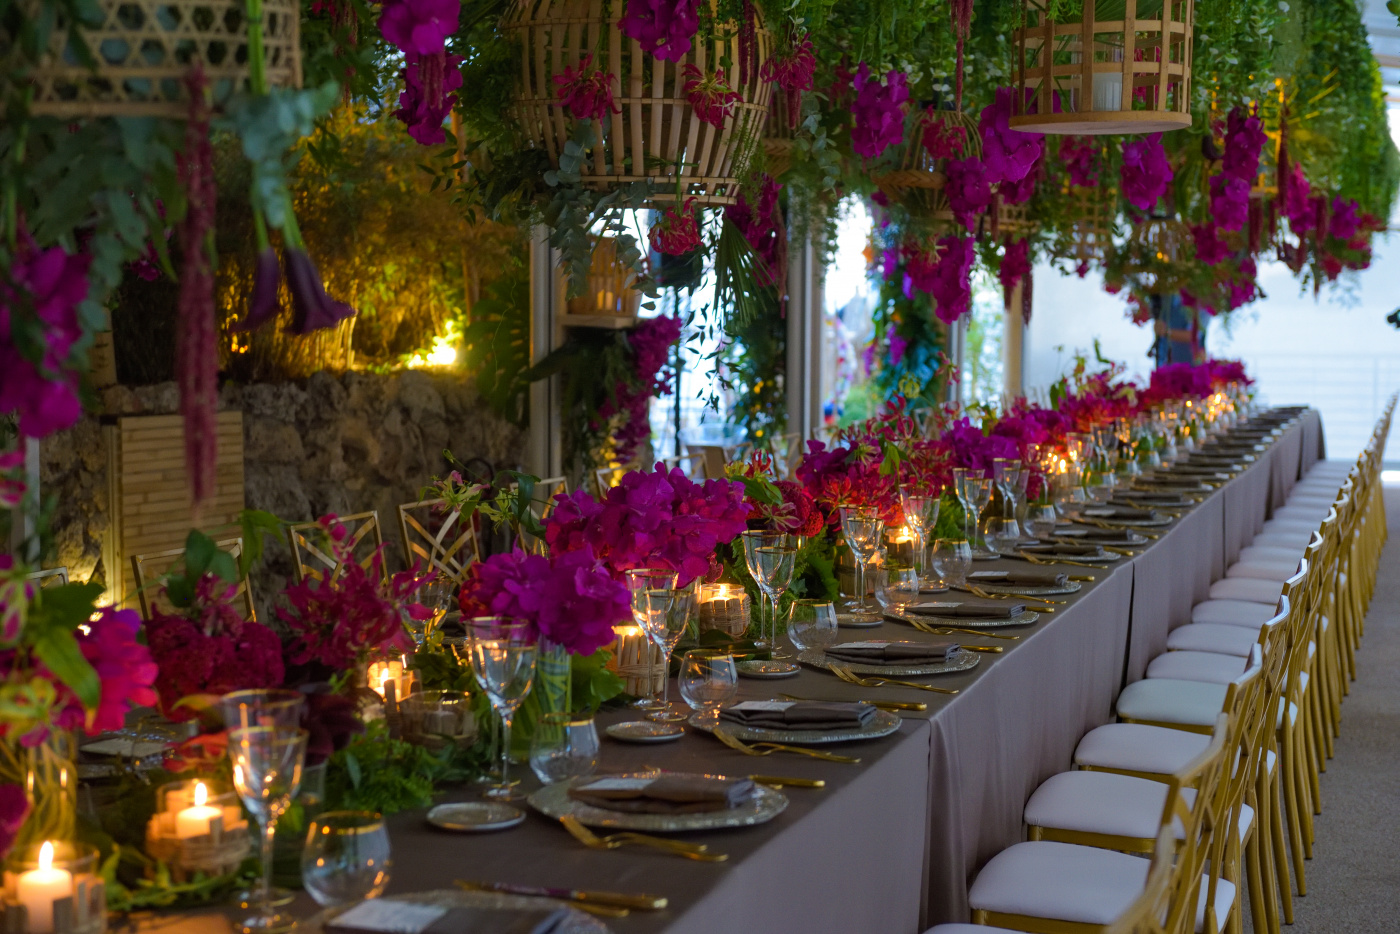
(656, 130)
(918, 169)
(1152, 252)
(1121, 67)
(143, 51)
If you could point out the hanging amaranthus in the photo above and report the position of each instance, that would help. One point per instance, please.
(962, 25)
(748, 43)
(197, 347)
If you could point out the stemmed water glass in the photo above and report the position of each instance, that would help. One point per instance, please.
(979, 493)
(921, 518)
(708, 681)
(1004, 472)
(639, 581)
(865, 532)
(503, 658)
(771, 558)
(669, 612)
(267, 763)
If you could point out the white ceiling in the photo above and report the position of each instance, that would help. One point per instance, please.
(1385, 42)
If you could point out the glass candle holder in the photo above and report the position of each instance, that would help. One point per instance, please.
(437, 719)
(55, 887)
(199, 827)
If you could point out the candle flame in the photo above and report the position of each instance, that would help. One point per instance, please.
(201, 794)
(384, 681)
(46, 856)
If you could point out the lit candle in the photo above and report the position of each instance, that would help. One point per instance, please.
(384, 676)
(38, 889)
(194, 821)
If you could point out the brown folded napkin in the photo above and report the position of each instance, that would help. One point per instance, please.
(1109, 511)
(386, 916)
(1028, 577)
(1134, 499)
(1062, 548)
(669, 794)
(966, 609)
(798, 715)
(891, 653)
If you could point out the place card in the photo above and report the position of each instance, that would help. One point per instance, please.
(861, 645)
(396, 917)
(989, 575)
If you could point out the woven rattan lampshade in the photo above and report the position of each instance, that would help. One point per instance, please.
(657, 127)
(1152, 251)
(918, 169)
(144, 50)
(1121, 66)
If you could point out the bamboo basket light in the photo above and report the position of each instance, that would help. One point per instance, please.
(1153, 249)
(656, 133)
(608, 299)
(918, 169)
(779, 137)
(1127, 72)
(145, 48)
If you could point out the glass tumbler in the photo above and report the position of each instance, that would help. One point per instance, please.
(346, 858)
(564, 746)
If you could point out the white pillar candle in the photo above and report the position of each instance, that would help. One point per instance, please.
(194, 821)
(38, 889)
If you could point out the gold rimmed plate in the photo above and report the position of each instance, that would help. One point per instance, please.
(554, 801)
(882, 724)
(958, 660)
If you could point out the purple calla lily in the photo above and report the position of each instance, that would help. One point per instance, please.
(312, 308)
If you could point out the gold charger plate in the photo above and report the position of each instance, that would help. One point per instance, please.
(554, 801)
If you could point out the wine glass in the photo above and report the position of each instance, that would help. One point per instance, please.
(896, 586)
(639, 581)
(503, 657)
(771, 558)
(952, 559)
(346, 858)
(668, 617)
(262, 707)
(865, 531)
(267, 763)
(979, 491)
(961, 475)
(708, 681)
(1042, 520)
(921, 518)
(565, 746)
(437, 595)
(812, 624)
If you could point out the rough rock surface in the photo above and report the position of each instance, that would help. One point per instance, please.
(342, 443)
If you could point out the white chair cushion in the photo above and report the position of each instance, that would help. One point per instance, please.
(1221, 638)
(1252, 589)
(1100, 802)
(1302, 512)
(1291, 526)
(1168, 700)
(1312, 500)
(1296, 540)
(1211, 667)
(1270, 553)
(1060, 881)
(969, 929)
(1139, 747)
(1232, 613)
(1264, 570)
(1327, 468)
(1066, 882)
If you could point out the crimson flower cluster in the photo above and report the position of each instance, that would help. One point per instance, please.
(678, 231)
(708, 95)
(848, 475)
(664, 28)
(879, 112)
(794, 71)
(585, 92)
(761, 224)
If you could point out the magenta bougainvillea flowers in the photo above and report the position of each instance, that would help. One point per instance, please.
(952, 278)
(664, 28)
(1081, 158)
(879, 112)
(1009, 155)
(967, 190)
(1145, 172)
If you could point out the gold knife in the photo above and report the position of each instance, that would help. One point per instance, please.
(780, 781)
(882, 705)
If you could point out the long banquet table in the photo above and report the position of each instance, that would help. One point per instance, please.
(891, 844)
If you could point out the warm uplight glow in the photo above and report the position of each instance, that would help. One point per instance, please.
(442, 353)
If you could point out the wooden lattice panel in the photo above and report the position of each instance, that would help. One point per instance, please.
(144, 50)
(655, 128)
(151, 495)
(1103, 76)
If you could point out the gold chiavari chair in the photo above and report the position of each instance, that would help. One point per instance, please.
(363, 541)
(711, 458)
(437, 539)
(146, 568)
(605, 478)
(1146, 915)
(49, 577)
(1047, 887)
(541, 504)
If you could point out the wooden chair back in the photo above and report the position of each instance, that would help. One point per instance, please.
(437, 539)
(148, 568)
(49, 577)
(1195, 820)
(1149, 910)
(314, 558)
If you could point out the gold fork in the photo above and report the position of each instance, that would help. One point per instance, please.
(938, 629)
(988, 595)
(767, 749)
(1119, 528)
(695, 851)
(1044, 563)
(845, 674)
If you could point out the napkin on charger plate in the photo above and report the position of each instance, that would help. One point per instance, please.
(1021, 577)
(1090, 533)
(798, 715)
(965, 609)
(891, 653)
(396, 916)
(666, 794)
(1117, 512)
(1062, 548)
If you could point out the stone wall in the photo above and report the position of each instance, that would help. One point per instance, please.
(333, 443)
